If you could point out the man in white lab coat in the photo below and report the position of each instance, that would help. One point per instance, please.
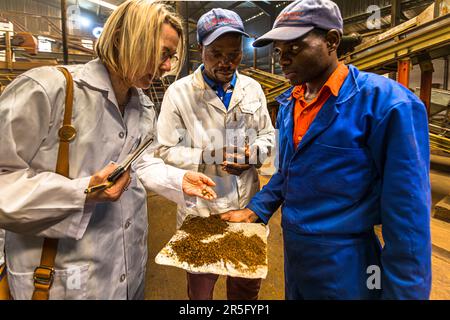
(102, 248)
(205, 119)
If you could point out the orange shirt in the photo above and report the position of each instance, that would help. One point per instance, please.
(304, 112)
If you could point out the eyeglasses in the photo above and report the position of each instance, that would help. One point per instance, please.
(231, 57)
(292, 51)
(167, 55)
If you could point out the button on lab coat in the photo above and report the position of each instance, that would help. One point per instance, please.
(102, 251)
(193, 118)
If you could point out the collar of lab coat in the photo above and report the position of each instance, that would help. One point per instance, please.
(95, 75)
(210, 96)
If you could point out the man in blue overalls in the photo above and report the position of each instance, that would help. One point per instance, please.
(354, 153)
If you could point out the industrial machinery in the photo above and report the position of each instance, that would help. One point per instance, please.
(272, 84)
(16, 52)
(417, 41)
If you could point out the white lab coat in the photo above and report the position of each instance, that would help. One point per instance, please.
(193, 118)
(102, 251)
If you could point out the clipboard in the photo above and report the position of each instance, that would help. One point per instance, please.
(124, 166)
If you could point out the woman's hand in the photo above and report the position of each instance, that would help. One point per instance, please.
(112, 193)
(199, 185)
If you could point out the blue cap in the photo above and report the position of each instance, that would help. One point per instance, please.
(300, 17)
(217, 22)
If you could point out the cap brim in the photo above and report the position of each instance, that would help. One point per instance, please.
(221, 31)
(281, 34)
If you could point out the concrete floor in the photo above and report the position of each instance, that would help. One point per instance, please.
(168, 283)
(440, 231)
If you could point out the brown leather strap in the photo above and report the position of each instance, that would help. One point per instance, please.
(43, 275)
(67, 132)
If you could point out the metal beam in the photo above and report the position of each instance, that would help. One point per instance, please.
(271, 12)
(8, 52)
(426, 80)
(427, 37)
(396, 8)
(446, 73)
(183, 10)
(268, 9)
(64, 31)
(437, 8)
(235, 5)
(205, 3)
(404, 66)
(23, 66)
(406, 5)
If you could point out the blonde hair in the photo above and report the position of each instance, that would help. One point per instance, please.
(131, 38)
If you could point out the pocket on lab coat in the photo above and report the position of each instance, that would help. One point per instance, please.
(250, 117)
(250, 107)
(68, 284)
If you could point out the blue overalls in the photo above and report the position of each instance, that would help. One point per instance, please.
(364, 161)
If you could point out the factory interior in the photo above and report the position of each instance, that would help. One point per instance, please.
(407, 41)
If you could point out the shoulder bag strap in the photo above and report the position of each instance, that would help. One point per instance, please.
(43, 275)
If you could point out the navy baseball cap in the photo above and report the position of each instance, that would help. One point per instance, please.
(300, 17)
(217, 22)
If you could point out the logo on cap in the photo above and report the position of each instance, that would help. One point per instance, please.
(289, 18)
(218, 22)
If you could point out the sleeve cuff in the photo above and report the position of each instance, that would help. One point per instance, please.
(175, 177)
(258, 212)
(80, 220)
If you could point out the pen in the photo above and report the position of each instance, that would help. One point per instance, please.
(98, 187)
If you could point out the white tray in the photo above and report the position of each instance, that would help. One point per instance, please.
(168, 257)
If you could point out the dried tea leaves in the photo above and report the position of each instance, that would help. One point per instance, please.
(196, 253)
(240, 249)
(203, 227)
(244, 252)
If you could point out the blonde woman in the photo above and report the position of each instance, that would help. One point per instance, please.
(102, 250)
